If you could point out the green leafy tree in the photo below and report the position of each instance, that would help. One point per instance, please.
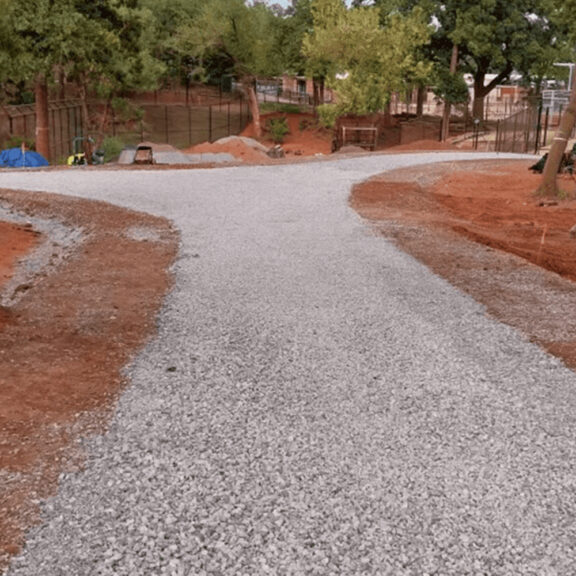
(364, 58)
(97, 45)
(493, 37)
(240, 34)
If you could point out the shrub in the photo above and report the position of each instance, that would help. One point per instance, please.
(278, 128)
(282, 107)
(111, 147)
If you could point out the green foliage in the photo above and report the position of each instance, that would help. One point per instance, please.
(451, 88)
(97, 44)
(231, 29)
(280, 107)
(364, 60)
(126, 111)
(328, 114)
(17, 141)
(111, 148)
(278, 128)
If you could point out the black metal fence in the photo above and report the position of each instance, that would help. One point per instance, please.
(176, 124)
(183, 126)
(521, 132)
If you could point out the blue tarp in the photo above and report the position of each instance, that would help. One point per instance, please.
(17, 158)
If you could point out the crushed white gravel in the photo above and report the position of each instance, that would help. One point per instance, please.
(316, 402)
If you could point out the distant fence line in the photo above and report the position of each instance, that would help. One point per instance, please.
(65, 125)
(183, 126)
(177, 124)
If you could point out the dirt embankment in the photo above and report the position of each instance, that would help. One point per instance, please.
(64, 343)
(479, 225)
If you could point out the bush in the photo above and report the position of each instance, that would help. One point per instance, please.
(278, 128)
(280, 107)
(328, 114)
(111, 147)
(17, 141)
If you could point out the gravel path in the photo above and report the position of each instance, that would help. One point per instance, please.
(316, 402)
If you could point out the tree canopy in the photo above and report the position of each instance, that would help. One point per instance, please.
(364, 50)
(363, 58)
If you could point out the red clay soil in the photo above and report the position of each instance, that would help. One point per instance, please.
(16, 242)
(480, 226)
(65, 341)
(305, 136)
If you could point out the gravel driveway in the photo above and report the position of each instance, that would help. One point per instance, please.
(316, 402)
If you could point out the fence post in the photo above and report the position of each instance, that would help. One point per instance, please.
(546, 121)
(538, 129)
(189, 126)
(166, 124)
(209, 123)
(228, 119)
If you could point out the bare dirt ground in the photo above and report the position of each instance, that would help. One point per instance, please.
(64, 343)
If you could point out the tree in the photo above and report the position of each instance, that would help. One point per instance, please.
(94, 44)
(241, 34)
(493, 37)
(364, 59)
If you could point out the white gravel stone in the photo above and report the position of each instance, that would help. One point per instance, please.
(315, 402)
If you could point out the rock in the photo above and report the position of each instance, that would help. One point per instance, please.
(276, 152)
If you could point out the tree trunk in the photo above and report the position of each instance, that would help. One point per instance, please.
(86, 142)
(250, 90)
(548, 185)
(480, 93)
(445, 129)
(318, 83)
(420, 98)
(42, 117)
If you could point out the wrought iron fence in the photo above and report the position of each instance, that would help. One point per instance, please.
(520, 133)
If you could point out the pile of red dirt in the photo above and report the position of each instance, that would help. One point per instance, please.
(241, 148)
(305, 136)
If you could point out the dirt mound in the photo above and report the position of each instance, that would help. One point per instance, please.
(243, 148)
(305, 137)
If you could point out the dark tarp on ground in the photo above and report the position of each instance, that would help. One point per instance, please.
(17, 158)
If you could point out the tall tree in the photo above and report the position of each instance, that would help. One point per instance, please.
(363, 58)
(95, 44)
(243, 35)
(494, 37)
